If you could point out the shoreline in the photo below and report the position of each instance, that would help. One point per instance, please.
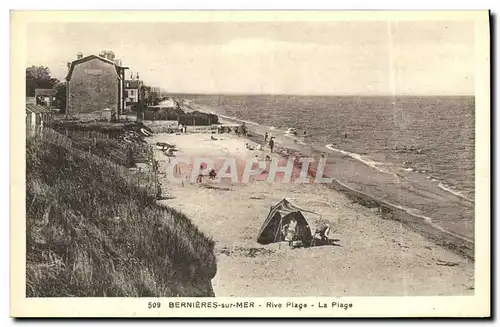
(415, 220)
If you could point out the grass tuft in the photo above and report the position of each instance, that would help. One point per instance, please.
(92, 233)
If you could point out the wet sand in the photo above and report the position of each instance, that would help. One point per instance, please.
(372, 255)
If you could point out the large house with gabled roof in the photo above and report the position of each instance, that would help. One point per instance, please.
(95, 83)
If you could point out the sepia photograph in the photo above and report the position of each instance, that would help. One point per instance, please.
(252, 157)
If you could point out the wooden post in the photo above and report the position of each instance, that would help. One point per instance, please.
(157, 193)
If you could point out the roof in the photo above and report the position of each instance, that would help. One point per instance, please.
(91, 57)
(37, 109)
(50, 92)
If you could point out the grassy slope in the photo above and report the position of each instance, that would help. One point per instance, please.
(90, 233)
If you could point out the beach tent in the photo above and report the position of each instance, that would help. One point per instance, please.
(280, 215)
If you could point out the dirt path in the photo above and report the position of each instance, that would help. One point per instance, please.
(374, 256)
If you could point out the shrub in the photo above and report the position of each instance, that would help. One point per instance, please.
(90, 232)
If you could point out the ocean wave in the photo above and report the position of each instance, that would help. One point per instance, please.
(454, 192)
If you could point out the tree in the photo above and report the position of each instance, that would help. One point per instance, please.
(38, 77)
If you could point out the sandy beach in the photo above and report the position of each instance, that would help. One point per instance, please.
(371, 256)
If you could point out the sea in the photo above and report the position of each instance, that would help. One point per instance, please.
(433, 135)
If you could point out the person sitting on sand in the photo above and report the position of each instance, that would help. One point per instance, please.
(322, 231)
(212, 174)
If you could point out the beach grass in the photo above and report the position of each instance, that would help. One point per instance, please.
(92, 233)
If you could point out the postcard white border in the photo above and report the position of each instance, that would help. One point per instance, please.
(466, 306)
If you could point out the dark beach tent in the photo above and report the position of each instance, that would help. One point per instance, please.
(280, 215)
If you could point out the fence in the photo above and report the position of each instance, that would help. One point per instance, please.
(49, 135)
(86, 134)
(145, 178)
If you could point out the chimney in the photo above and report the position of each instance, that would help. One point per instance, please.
(79, 55)
(110, 55)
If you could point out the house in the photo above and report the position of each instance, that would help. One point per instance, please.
(37, 115)
(95, 82)
(45, 97)
(132, 91)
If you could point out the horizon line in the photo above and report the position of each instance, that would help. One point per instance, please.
(321, 95)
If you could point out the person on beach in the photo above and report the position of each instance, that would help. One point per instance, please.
(265, 137)
(271, 144)
(200, 175)
(289, 231)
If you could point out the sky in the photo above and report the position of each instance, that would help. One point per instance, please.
(316, 58)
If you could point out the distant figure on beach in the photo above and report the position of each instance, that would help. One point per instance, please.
(265, 137)
(345, 135)
(271, 144)
(305, 133)
(200, 174)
